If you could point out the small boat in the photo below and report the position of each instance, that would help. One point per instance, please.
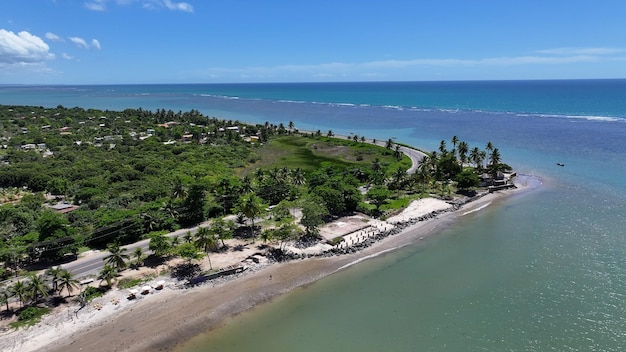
(560, 164)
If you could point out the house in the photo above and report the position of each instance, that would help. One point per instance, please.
(63, 208)
(187, 137)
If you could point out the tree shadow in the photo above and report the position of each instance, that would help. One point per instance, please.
(185, 271)
(153, 261)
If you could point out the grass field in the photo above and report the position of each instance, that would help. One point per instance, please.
(310, 154)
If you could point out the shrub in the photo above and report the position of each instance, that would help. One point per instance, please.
(30, 316)
(93, 292)
(128, 283)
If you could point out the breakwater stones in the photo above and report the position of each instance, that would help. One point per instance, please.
(373, 236)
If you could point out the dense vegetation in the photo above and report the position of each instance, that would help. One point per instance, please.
(130, 173)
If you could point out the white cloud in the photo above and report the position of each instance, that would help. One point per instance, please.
(53, 37)
(96, 5)
(180, 6)
(101, 5)
(383, 67)
(67, 56)
(80, 42)
(581, 51)
(22, 48)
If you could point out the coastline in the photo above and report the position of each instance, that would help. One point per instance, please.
(165, 320)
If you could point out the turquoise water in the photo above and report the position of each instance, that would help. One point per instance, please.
(541, 271)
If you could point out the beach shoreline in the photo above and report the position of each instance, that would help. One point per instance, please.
(163, 321)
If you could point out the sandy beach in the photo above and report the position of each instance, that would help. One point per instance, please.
(163, 319)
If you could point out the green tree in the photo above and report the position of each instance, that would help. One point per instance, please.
(37, 287)
(495, 161)
(5, 295)
(455, 141)
(117, 256)
(286, 232)
(52, 225)
(159, 245)
(222, 230)
(54, 273)
(139, 256)
(313, 214)
(189, 252)
(194, 205)
(378, 195)
(332, 198)
(251, 206)
(389, 144)
(206, 241)
(467, 179)
(108, 274)
(475, 157)
(463, 149)
(20, 290)
(67, 282)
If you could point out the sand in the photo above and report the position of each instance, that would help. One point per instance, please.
(162, 319)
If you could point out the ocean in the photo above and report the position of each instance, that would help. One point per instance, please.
(541, 270)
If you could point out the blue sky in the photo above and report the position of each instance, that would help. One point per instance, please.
(216, 41)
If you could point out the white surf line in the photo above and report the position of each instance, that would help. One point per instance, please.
(477, 209)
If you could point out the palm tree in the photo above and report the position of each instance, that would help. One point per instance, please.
(188, 237)
(489, 146)
(139, 256)
(67, 282)
(297, 177)
(251, 206)
(398, 177)
(291, 125)
(54, 274)
(475, 156)
(330, 133)
(5, 294)
(37, 287)
(108, 274)
(495, 160)
(178, 189)
(117, 256)
(19, 290)
(259, 173)
(169, 209)
(205, 241)
(463, 149)
(222, 230)
(454, 141)
(175, 241)
(246, 184)
(397, 153)
(159, 245)
(389, 144)
(442, 147)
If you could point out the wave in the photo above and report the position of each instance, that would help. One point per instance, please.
(598, 118)
(477, 209)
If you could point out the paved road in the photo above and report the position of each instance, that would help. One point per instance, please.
(92, 263)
